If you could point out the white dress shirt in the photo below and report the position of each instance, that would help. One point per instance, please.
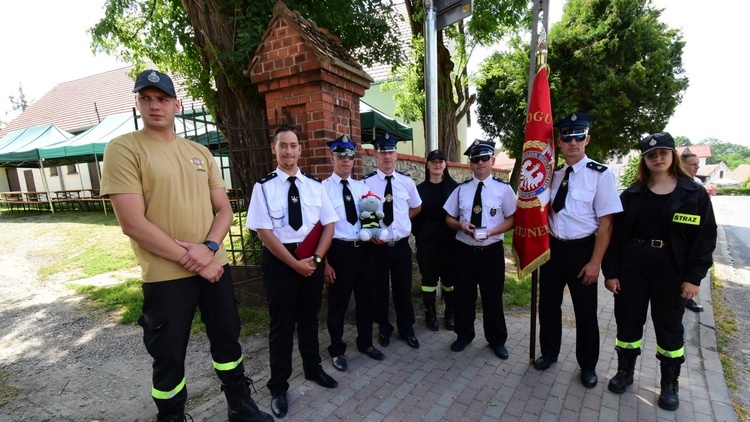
(405, 197)
(498, 203)
(342, 229)
(592, 193)
(269, 206)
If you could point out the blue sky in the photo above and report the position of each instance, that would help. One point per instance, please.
(44, 43)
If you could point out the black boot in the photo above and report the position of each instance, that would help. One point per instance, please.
(625, 369)
(670, 375)
(241, 406)
(430, 318)
(450, 320)
(430, 314)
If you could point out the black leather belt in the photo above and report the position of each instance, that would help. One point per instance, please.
(351, 243)
(571, 242)
(654, 243)
(291, 246)
(481, 248)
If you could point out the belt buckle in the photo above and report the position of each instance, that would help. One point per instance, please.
(656, 243)
(357, 243)
(478, 248)
(391, 243)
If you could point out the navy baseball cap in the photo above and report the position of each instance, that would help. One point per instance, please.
(659, 140)
(157, 80)
(479, 148)
(436, 154)
(384, 143)
(342, 144)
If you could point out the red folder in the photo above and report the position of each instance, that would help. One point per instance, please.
(307, 248)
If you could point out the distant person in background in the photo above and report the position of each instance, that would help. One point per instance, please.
(434, 240)
(691, 163)
(660, 251)
(171, 201)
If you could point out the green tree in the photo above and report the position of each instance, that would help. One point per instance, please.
(617, 61)
(611, 58)
(731, 154)
(682, 141)
(490, 21)
(19, 102)
(630, 172)
(210, 43)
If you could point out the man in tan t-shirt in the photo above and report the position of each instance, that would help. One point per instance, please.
(170, 199)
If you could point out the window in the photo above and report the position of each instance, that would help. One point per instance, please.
(53, 171)
(72, 169)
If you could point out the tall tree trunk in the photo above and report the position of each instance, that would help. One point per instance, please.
(238, 110)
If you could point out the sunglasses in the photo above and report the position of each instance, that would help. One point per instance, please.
(483, 158)
(661, 153)
(571, 138)
(345, 156)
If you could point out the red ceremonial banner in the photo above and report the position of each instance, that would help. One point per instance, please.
(531, 234)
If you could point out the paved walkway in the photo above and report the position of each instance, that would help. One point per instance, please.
(435, 384)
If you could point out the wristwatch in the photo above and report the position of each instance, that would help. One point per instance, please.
(212, 245)
(317, 260)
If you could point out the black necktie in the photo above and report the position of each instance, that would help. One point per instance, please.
(351, 212)
(388, 205)
(476, 210)
(295, 209)
(562, 192)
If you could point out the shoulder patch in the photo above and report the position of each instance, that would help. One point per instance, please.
(267, 177)
(371, 174)
(311, 177)
(402, 173)
(593, 165)
(497, 179)
(560, 167)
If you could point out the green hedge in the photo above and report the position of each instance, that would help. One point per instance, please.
(733, 191)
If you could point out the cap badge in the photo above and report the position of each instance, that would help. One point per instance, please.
(387, 136)
(476, 142)
(345, 139)
(652, 142)
(153, 77)
(573, 118)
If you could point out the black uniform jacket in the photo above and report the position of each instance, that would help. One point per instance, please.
(692, 230)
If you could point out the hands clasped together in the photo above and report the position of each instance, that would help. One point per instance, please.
(199, 259)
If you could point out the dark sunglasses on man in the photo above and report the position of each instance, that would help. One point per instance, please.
(570, 138)
(482, 158)
(345, 156)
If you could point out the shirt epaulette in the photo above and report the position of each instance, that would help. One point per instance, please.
(402, 173)
(593, 165)
(267, 177)
(560, 167)
(310, 176)
(466, 181)
(371, 174)
(497, 179)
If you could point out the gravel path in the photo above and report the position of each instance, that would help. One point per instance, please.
(62, 360)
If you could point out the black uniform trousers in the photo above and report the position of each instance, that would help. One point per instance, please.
(393, 263)
(168, 311)
(293, 302)
(650, 275)
(567, 258)
(354, 264)
(436, 262)
(483, 266)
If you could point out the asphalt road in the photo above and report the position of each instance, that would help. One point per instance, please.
(732, 267)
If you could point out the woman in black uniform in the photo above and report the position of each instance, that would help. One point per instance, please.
(434, 239)
(660, 251)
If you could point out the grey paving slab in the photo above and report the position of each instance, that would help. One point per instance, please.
(433, 383)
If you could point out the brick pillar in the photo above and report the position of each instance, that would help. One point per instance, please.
(310, 81)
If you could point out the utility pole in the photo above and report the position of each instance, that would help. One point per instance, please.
(430, 76)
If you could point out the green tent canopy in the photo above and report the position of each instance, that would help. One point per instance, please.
(20, 147)
(376, 123)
